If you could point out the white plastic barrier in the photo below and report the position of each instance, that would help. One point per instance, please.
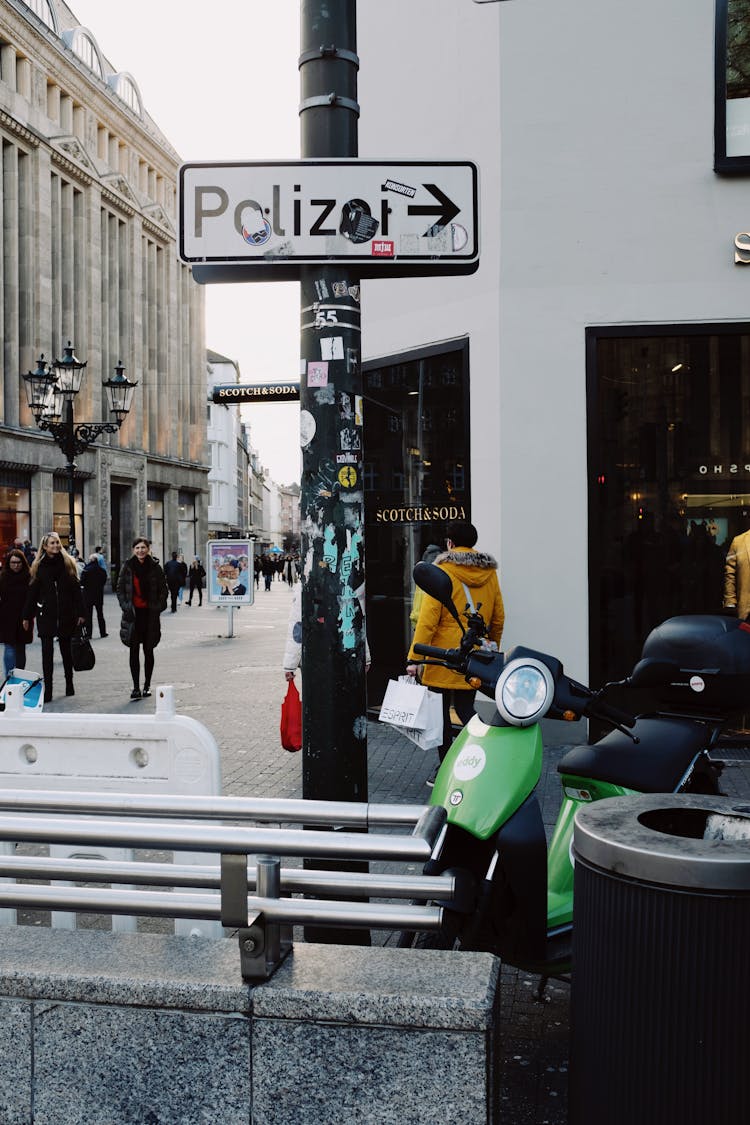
(31, 685)
(130, 753)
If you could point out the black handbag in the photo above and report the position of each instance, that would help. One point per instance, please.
(81, 651)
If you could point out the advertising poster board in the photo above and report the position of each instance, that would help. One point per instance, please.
(230, 572)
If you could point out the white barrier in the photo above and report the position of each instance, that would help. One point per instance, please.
(160, 753)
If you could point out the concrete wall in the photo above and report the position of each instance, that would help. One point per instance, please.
(98, 1028)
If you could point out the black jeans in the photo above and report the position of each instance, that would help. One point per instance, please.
(141, 637)
(48, 656)
(463, 701)
(99, 607)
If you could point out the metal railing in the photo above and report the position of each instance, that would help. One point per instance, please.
(255, 899)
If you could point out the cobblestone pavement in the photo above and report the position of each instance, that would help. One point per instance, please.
(235, 686)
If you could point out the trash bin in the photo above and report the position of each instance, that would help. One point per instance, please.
(660, 999)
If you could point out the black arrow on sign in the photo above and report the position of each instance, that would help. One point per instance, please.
(446, 212)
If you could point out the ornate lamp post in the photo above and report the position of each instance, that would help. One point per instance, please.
(51, 391)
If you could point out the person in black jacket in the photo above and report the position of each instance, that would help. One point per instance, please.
(14, 586)
(93, 581)
(142, 594)
(196, 576)
(175, 573)
(54, 599)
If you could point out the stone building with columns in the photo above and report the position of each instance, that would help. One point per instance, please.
(88, 254)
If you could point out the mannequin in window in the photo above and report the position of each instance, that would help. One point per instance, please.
(737, 575)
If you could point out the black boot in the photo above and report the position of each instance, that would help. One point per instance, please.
(69, 689)
(47, 692)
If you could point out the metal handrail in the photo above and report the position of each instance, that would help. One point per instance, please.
(294, 880)
(181, 904)
(354, 814)
(228, 839)
(249, 898)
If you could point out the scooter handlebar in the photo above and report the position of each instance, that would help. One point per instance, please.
(605, 711)
(448, 655)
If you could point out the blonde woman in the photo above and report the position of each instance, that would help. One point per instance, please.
(54, 599)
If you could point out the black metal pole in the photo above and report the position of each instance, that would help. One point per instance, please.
(70, 437)
(334, 763)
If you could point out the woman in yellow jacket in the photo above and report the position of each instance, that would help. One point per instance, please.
(475, 587)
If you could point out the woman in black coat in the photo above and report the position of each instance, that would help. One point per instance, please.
(14, 586)
(142, 593)
(54, 599)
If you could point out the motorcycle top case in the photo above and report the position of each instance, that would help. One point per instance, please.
(711, 659)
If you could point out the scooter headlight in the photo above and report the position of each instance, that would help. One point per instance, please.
(524, 691)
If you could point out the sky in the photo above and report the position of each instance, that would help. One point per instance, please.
(221, 82)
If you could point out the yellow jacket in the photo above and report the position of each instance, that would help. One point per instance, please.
(435, 625)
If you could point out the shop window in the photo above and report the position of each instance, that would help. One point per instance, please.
(416, 430)
(15, 507)
(732, 99)
(61, 512)
(669, 478)
(155, 520)
(186, 523)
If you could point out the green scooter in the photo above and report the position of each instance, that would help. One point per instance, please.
(519, 903)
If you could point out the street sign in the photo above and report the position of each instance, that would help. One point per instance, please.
(376, 217)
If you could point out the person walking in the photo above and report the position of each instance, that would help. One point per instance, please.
(54, 598)
(175, 573)
(93, 581)
(184, 572)
(14, 584)
(143, 594)
(268, 570)
(196, 578)
(475, 587)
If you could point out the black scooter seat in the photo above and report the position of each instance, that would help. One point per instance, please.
(656, 764)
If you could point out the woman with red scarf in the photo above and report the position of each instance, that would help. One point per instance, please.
(142, 593)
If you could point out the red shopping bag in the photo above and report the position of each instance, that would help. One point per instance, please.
(290, 727)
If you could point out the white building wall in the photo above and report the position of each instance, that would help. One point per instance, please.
(431, 92)
(604, 210)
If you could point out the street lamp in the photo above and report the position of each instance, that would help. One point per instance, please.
(51, 390)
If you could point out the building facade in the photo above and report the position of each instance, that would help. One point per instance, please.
(289, 517)
(229, 454)
(604, 382)
(89, 255)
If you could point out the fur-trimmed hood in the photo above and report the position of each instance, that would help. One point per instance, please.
(468, 565)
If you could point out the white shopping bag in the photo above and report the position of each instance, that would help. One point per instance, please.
(405, 704)
(432, 735)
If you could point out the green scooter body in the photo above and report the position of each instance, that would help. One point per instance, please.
(487, 773)
(577, 791)
(486, 776)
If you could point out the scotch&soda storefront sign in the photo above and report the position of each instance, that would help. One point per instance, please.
(419, 514)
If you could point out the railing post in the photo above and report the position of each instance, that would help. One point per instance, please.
(268, 885)
(261, 945)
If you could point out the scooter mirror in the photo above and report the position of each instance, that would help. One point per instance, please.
(438, 585)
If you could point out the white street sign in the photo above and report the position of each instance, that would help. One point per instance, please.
(375, 214)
